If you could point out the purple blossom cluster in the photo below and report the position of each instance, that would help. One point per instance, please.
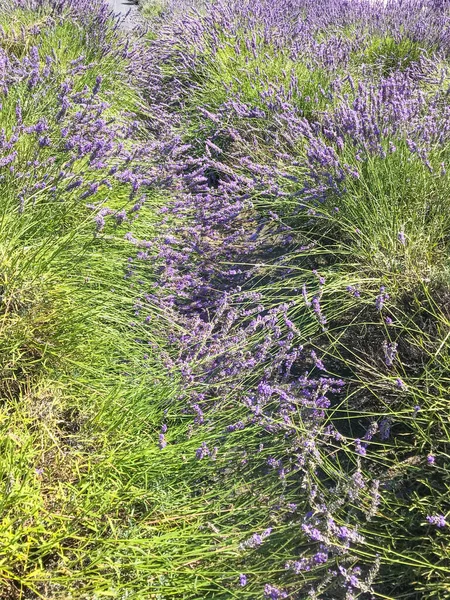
(437, 520)
(77, 153)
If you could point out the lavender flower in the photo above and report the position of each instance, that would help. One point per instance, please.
(202, 452)
(317, 361)
(385, 428)
(381, 298)
(354, 291)
(400, 384)
(437, 520)
(360, 448)
(318, 310)
(390, 352)
(256, 539)
(273, 593)
(97, 85)
(401, 237)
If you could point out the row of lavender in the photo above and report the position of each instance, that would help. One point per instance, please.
(303, 271)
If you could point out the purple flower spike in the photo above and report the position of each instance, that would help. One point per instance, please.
(400, 384)
(202, 452)
(437, 520)
(97, 85)
(360, 448)
(390, 352)
(273, 593)
(401, 237)
(381, 298)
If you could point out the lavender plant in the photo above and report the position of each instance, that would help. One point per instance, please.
(309, 222)
(75, 171)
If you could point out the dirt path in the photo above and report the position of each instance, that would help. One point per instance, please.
(124, 7)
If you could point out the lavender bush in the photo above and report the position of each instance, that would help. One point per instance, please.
(304, 267)
(75, 171)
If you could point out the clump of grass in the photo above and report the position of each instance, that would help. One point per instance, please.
(234, 69)
(388, 54)
(152, 9)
